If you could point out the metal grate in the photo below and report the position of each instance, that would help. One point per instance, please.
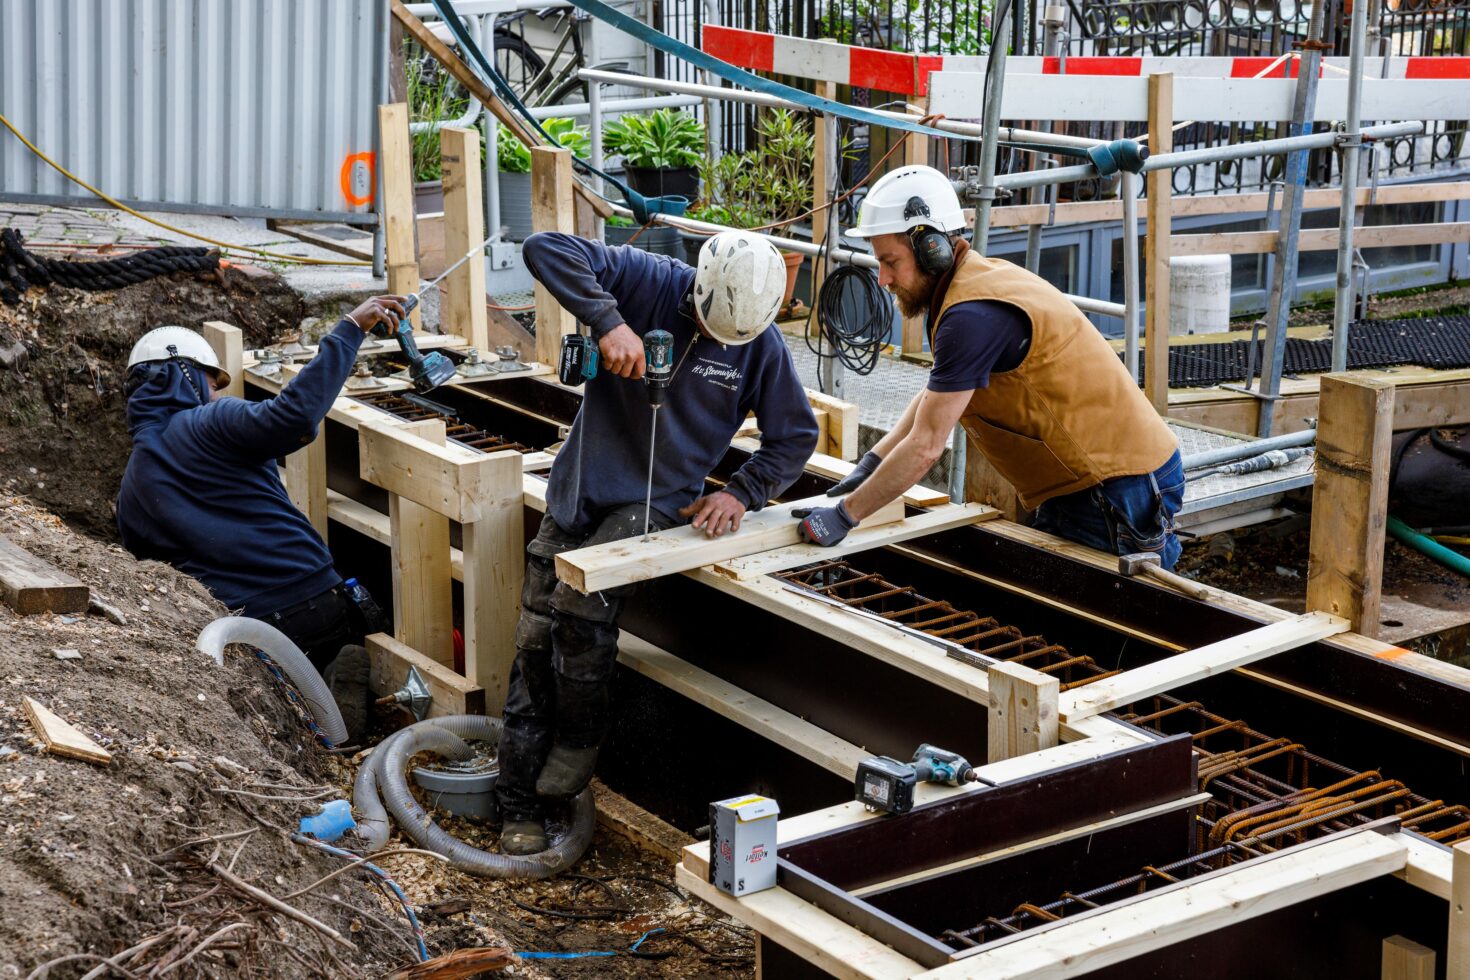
(417, 409)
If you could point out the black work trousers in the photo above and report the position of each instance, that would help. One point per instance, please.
(566, 650)
(322, 625)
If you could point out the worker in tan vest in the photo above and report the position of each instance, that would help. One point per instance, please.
(1033, 382)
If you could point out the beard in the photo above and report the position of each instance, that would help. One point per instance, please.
(916, 302)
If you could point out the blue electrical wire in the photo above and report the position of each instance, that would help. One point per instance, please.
(413, 920)
(590, 953)
(294, 696)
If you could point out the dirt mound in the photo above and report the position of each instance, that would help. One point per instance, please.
(63, 356)
(95, 860)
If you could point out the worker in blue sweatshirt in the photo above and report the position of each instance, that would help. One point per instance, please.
(727, 364)
(202, 491)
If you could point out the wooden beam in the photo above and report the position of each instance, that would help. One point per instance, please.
(1114, 692)
(1319, 239)
(31, 585)
(842, 424)
(1023, 712)
(985, 485)
(1457, 962)
(1404, 959)
(551, 210)
(800, 737)
(1176, 913)
(228, 344)
(464, 311)
(306, 481)
(1156, 247)
(836, 469)
(423, 596)
(494, 564)
(1350, 500)
(680, 549)
(863, 539)
(60, 736)
(451, 693)
(422, 469)
(395, 168)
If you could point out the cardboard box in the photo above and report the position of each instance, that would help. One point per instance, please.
(742, 844)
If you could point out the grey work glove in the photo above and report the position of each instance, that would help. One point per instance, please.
(825, 526)
(860, 472)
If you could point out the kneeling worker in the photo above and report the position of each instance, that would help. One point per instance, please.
(1033, 382)
(202, 492)
(726, 365)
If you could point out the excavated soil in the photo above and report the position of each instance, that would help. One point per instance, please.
(63, 358)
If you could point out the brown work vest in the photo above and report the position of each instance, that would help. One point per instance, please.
(1069, 417)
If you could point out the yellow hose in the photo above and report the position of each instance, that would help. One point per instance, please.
(1451, 539)
(278, 256)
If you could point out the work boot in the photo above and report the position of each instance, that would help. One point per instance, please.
(567, 772)
(522, 837)
(347, 679)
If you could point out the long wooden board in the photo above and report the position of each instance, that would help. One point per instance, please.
(61, 737)
(680, 549)
(32, 585)
(1113, 692)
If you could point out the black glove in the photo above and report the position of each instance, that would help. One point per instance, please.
(825, 526)
(860, 472)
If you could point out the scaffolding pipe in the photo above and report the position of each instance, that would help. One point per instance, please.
(1245, 450)
(1128, 191)
(1351, 148)
(1054, 17)
(1000, 42)
(579, 109)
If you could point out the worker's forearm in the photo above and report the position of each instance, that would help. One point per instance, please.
(900, 469)
(895, 435)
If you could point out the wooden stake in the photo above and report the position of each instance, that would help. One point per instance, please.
(61, 737)
(228, 344)
(1156, 245)
(1350, 499)
(494, 569)
(464, 228)
(395, 164)
(1023, 711)
(423, 594)
(1404, 959)
(551, 210)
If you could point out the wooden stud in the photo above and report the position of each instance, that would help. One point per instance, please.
(1023, 712)
(1457, 962)
(985, 485)
(1350, 500)
(1114, 692)
(494, 565)
(306, 481)
(395, 167)
(228, 344)
(1156, 245)
(389, 663)
(842, 424)
(680, 549)
(60, 736)
(551, 210)
(31, 585)
(423, 596)
(422, 469)
(1404, 959)
(464, 312)
(836, 469)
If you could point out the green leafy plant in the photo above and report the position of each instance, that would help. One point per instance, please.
(664, 139)
(618, 221)
(433, 94)
(512, 157)
(764, 185)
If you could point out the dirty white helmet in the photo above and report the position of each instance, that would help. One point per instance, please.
(154, 346)
(738, 286)
(906, 198)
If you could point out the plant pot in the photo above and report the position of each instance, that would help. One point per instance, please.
(658, 181)
(693, 242)
(658, 239)
(793, 266)
(428, 197)
(515, 205)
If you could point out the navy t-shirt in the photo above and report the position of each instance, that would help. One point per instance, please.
(976, 339)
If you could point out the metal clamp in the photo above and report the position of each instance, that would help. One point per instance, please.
(414, 694)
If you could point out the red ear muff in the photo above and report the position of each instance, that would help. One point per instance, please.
(932, 250)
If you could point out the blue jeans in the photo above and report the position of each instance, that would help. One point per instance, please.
(1123, 515)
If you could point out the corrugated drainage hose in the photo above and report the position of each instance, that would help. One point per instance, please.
(389, 777)
(278, 646)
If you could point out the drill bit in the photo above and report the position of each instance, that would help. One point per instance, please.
(648, 499)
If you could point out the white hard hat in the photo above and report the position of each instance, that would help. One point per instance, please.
(738, 286)
(906, 198)
(154, 346)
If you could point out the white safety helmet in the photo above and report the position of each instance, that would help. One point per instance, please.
(154, 346)
(906, 198)
(738, 286)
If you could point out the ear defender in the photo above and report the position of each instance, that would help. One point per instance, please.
(932, 249)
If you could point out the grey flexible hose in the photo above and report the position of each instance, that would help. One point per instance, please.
(417, 824)
(278, 646)
(372, 822)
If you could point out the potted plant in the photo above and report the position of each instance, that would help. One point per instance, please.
(658, 239)
(513, 161)
(735, 216)
(661, 151)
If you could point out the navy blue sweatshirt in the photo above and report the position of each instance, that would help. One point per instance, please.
(202, 492)
(604, 463)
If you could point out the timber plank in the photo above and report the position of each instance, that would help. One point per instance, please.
(60, 736)
(451, 693)
(31, 585)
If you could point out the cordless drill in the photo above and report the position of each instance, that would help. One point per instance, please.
(658, 373)
(887, 784)
(425, 371)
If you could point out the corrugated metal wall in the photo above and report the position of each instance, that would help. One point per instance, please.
(263, 107)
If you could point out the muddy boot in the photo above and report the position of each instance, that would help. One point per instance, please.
(521, 837)
(347, 679)
(567, 771)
